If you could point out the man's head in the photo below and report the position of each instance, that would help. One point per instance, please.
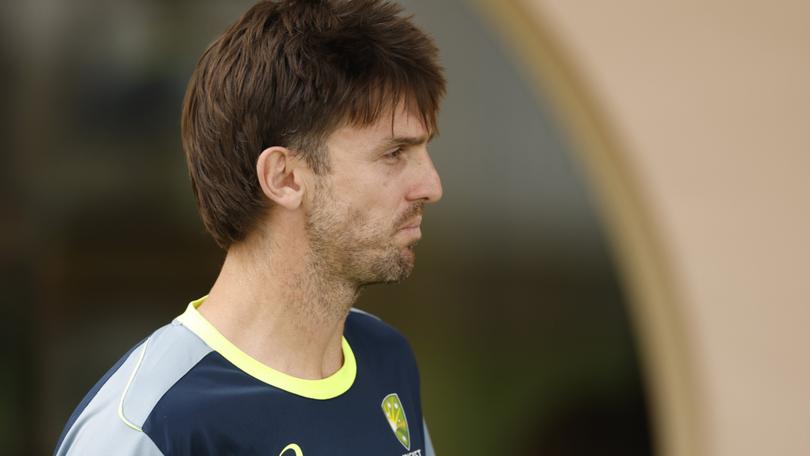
(280, 89)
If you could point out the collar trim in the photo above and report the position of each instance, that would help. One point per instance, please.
(327, 388)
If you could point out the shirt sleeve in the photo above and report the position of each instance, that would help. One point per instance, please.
(94, 441)
(428, 444)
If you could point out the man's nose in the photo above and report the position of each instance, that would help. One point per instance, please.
(429, 184)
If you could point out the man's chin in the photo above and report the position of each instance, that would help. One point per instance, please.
(395, 271)
(407, 260)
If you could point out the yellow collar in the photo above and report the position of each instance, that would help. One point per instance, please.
(327, 388)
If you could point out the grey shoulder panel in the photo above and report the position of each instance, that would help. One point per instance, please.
(124, 442)
(111, 423)
(428, 444)
(170, 353)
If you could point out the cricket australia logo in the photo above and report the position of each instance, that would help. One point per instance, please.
(395, 414)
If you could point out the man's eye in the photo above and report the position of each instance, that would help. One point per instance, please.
(394, 154)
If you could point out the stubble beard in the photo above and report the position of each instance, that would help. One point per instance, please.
(346, 245)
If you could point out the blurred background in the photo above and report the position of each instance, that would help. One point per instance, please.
(617, 265)
(514, 311)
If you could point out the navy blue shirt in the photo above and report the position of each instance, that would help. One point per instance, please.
(186, 390)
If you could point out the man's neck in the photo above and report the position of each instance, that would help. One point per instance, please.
(279, 308)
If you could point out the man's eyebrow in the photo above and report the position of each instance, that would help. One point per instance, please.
(406, 141)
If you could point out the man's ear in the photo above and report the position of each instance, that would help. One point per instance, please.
(281, 176)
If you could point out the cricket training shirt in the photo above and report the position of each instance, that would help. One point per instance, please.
(186, 390)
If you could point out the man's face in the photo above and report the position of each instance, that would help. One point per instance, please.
(366, 213)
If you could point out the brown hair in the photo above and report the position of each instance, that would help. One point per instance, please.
(288, 73)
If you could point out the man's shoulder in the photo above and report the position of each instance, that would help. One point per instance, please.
(362, 322)
(117, 407)
(369, 333)
(167, 355)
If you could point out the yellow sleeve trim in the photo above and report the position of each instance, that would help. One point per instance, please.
(327, 388)
(126, 389)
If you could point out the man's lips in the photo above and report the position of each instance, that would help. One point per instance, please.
(415, 223)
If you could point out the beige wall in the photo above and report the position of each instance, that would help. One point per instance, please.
(693, 120)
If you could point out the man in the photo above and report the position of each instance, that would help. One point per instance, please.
(305, 127)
